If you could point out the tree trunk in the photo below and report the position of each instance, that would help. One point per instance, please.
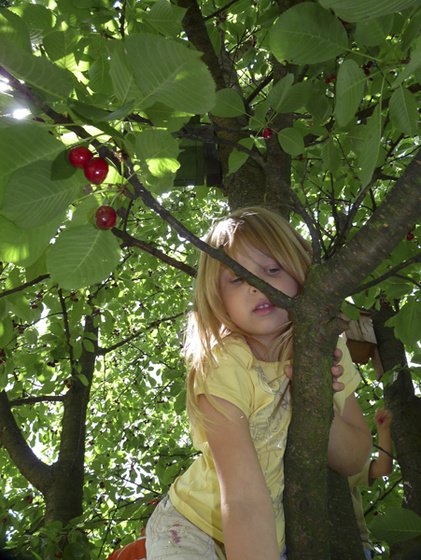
(345, 537)
(405, 406)
(61, 483)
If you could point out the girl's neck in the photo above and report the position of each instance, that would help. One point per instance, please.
(261, 352)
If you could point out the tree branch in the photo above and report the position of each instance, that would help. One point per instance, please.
(195, 28)
(24, 286)
(31, 467)
(130, 241)
(34, 400)
(377, 238)
(104, 351)
(388, 274)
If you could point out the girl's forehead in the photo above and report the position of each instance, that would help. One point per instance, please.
(249, 256)
(249, 250)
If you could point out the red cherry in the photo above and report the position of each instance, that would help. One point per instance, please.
(96, 170)
(79, 156)
(267, 133)
(105, 217)
(410, 236)
(380, 420)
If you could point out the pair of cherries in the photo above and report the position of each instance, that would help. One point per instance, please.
(95, 169)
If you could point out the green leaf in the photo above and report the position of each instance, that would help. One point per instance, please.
(279, 91)
(238, 158)
(170, 72)
(82, 256)
(331, 155)
(350, 311)
(396, 525)
(23, 246)
(13, 29)
(162, 116)
(319, 106)
(121, 74)
(33, 199)
(82, 378)
(403, 111)
(306, 34)
(360, 10)
(59, 44)
(287, 97)
(373, 32)
(6, 332)
(35, 71)
(349, 91)
(228, 104)
(370, 149)
(291, 141)
(165, 18)
(159, 150)
(411, 67)
(407, 322)
(21, 144)
(37, 18)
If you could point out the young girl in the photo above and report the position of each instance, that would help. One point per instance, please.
(238, 347)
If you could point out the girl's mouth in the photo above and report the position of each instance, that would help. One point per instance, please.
(263, 306)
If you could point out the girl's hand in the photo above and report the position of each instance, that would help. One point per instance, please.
(383, 418)
(337, 371)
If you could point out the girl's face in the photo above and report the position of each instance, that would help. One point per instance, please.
(247, 307)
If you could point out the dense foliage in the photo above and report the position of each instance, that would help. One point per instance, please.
(197, 106)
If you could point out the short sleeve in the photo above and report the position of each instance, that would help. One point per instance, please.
(350, 378)
(361, 478)
(229, 376)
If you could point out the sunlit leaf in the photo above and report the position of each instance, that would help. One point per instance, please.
(35, 70)
(349, 91)
(407, 322)
(169, 72)
(33, 199)
(396, 525)
(82, 256)
(306, 33)
(228, 104)
(291, 141)
(404, 111)
(360, 10)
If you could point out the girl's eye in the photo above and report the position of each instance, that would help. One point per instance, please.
(236, 280)
(273, 270)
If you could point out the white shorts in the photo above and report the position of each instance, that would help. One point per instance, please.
(170, 535)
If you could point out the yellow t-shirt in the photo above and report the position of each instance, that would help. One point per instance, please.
(256, 388)
(356, 480)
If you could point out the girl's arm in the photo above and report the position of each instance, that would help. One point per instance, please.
(349, 440)
(384, 464)
(248, 520)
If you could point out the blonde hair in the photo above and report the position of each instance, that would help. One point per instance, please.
(209, 323)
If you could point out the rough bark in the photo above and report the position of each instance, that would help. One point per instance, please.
(344, 544)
